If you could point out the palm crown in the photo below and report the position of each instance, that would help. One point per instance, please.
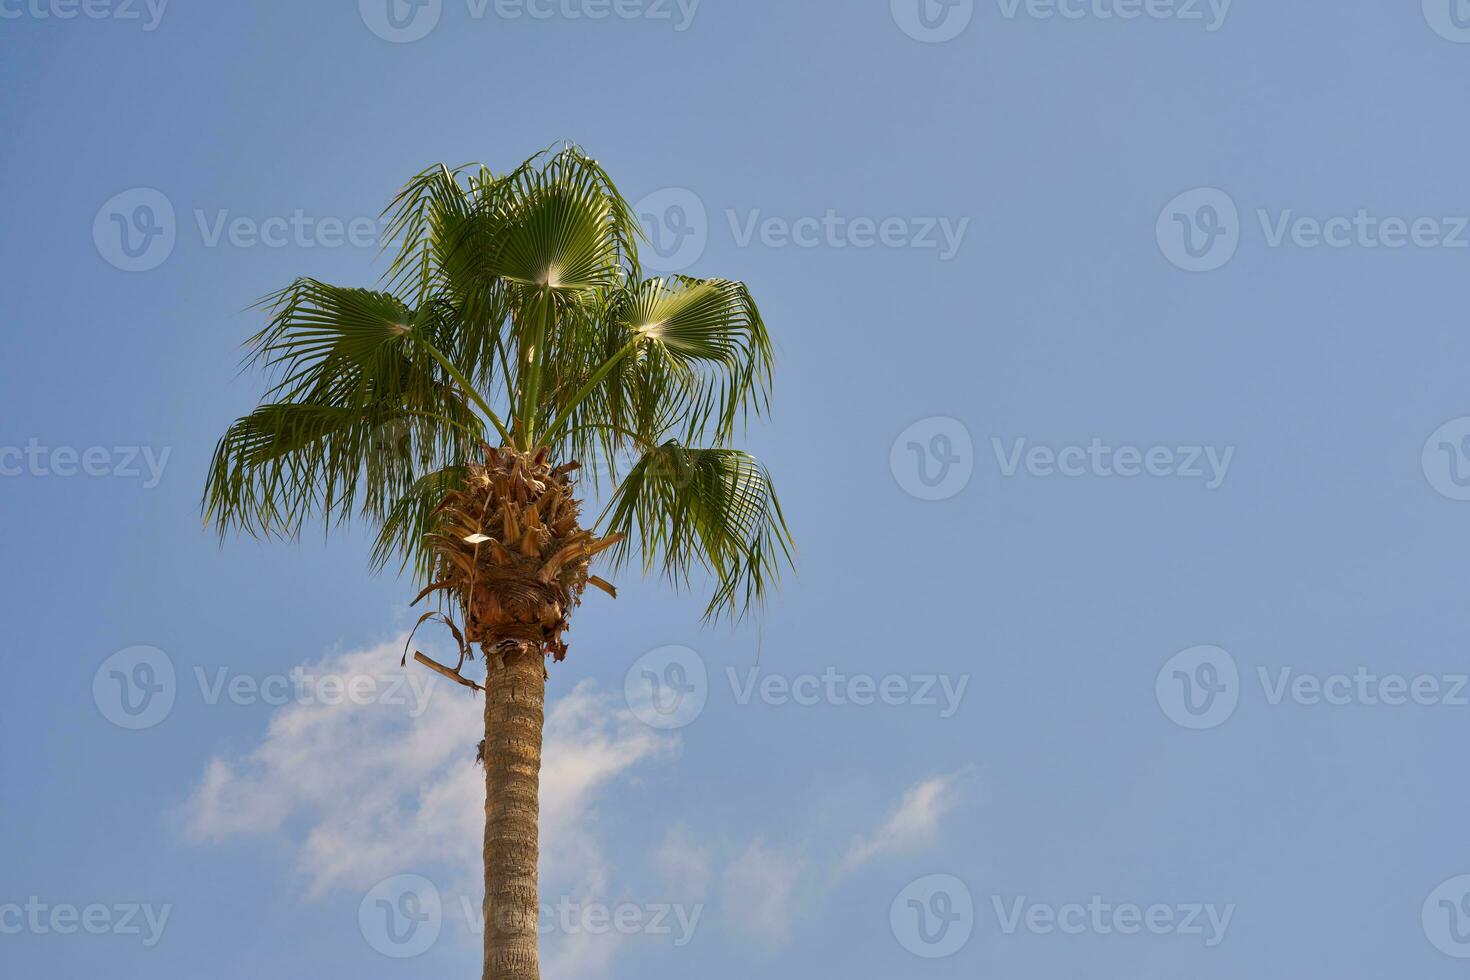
(514, 311)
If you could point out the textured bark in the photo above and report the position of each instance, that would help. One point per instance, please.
(515, 698)
(511, 550)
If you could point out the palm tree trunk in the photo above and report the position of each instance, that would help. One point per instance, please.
(515, 699)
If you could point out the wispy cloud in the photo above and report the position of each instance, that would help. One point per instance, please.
(359, 793)
(684, 864)
(758, 892)
(914, 824)
(369, 791)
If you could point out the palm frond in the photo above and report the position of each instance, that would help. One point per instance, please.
(688, 357)
(327, 340)
(719, 355)
(685, 510)
(419, 222)
(403, 535)
(286, 463)
(515, 300)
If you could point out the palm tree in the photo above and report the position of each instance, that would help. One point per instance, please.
(513, 343)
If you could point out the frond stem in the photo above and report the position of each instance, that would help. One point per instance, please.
(464, 384)
(531, 391)
(554, 429)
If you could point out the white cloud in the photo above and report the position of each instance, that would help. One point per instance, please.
(914, 824)
(370, 791)
(581, 954)
(758, 892)
(684, 865)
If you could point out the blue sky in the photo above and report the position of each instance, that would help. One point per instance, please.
(1121, 416)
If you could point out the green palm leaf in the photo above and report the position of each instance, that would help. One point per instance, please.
(712, 509)
(514, 302)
